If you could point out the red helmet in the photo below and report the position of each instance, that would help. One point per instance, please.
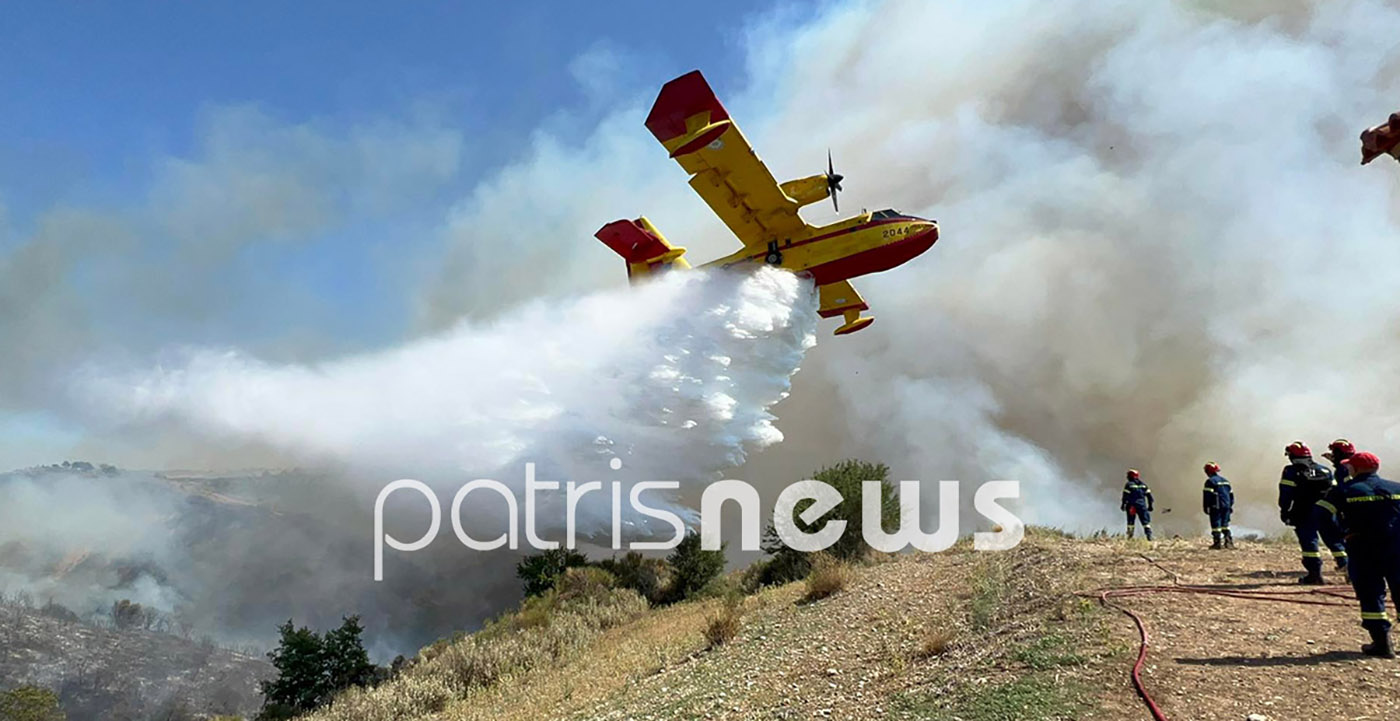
(1133, 475)
(1340, 449)
(1297, 449)
(1212, 468)
(1364, 462)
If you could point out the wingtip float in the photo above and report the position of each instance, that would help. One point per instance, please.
(696, 130)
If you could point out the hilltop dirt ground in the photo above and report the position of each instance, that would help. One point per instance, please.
(985, 636)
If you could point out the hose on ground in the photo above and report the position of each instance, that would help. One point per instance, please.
(1284, 596)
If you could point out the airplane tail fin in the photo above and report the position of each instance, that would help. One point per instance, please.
(643, 247)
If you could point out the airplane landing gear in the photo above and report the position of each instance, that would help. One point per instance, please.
(775, 256)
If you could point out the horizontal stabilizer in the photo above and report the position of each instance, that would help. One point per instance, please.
(642, 246)
(632, 241)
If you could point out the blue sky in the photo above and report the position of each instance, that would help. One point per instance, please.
(275, 177)
(91, 92)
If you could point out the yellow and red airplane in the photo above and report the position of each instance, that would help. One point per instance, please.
(695, 128)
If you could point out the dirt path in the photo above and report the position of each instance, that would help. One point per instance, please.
(1225, 658)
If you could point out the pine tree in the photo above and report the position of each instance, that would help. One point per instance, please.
(346, 661)
(312, 668)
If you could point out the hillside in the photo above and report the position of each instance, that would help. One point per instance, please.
(104, 674)
(957, 635)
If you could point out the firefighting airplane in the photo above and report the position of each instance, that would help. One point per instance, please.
(692, 124)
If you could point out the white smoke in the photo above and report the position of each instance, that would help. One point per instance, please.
(1152, 215)
(674, 377)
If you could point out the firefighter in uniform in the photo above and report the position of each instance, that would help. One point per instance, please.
(1137, 503)
(1217, 501)
(1304, 482)
(1368, 507)
(1338, 452)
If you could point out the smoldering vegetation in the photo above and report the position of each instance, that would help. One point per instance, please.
(126, 667)
(229, 557)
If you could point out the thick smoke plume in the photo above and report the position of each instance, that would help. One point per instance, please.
(1158, 248)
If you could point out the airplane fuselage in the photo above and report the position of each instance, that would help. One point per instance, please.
(844, 250)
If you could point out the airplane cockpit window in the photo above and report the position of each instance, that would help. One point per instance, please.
(886, 213)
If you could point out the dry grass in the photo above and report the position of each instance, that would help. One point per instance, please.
(827, 576)
(724, 627)
(659, 643)
(935, 641)
(548, 630)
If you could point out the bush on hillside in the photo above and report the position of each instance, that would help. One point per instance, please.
(724, 626)
(692, 567)
(828, 576)
(787, 565)
(30, 703)
(649, 577)
(539, 571)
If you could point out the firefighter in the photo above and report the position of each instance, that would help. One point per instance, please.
(1338, 452)
(1304, 482)
(1368, 507)
(1137, 503)
(1217, 502)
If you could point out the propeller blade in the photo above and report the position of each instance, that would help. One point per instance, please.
(833, 181)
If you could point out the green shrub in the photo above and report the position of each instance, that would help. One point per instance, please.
(846, 477)
(30, 703)
(588, 582)
(787, 565)
(649, 577)
(692, 567)
(539, 571)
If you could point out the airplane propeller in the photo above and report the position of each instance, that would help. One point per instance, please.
(833, 181)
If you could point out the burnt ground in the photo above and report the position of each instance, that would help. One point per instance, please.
(104, 673)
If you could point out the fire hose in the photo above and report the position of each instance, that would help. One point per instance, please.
(1284, 596)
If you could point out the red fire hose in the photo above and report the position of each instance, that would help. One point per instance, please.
(1284, 596)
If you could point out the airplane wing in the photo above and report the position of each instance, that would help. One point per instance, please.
(692, 124)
